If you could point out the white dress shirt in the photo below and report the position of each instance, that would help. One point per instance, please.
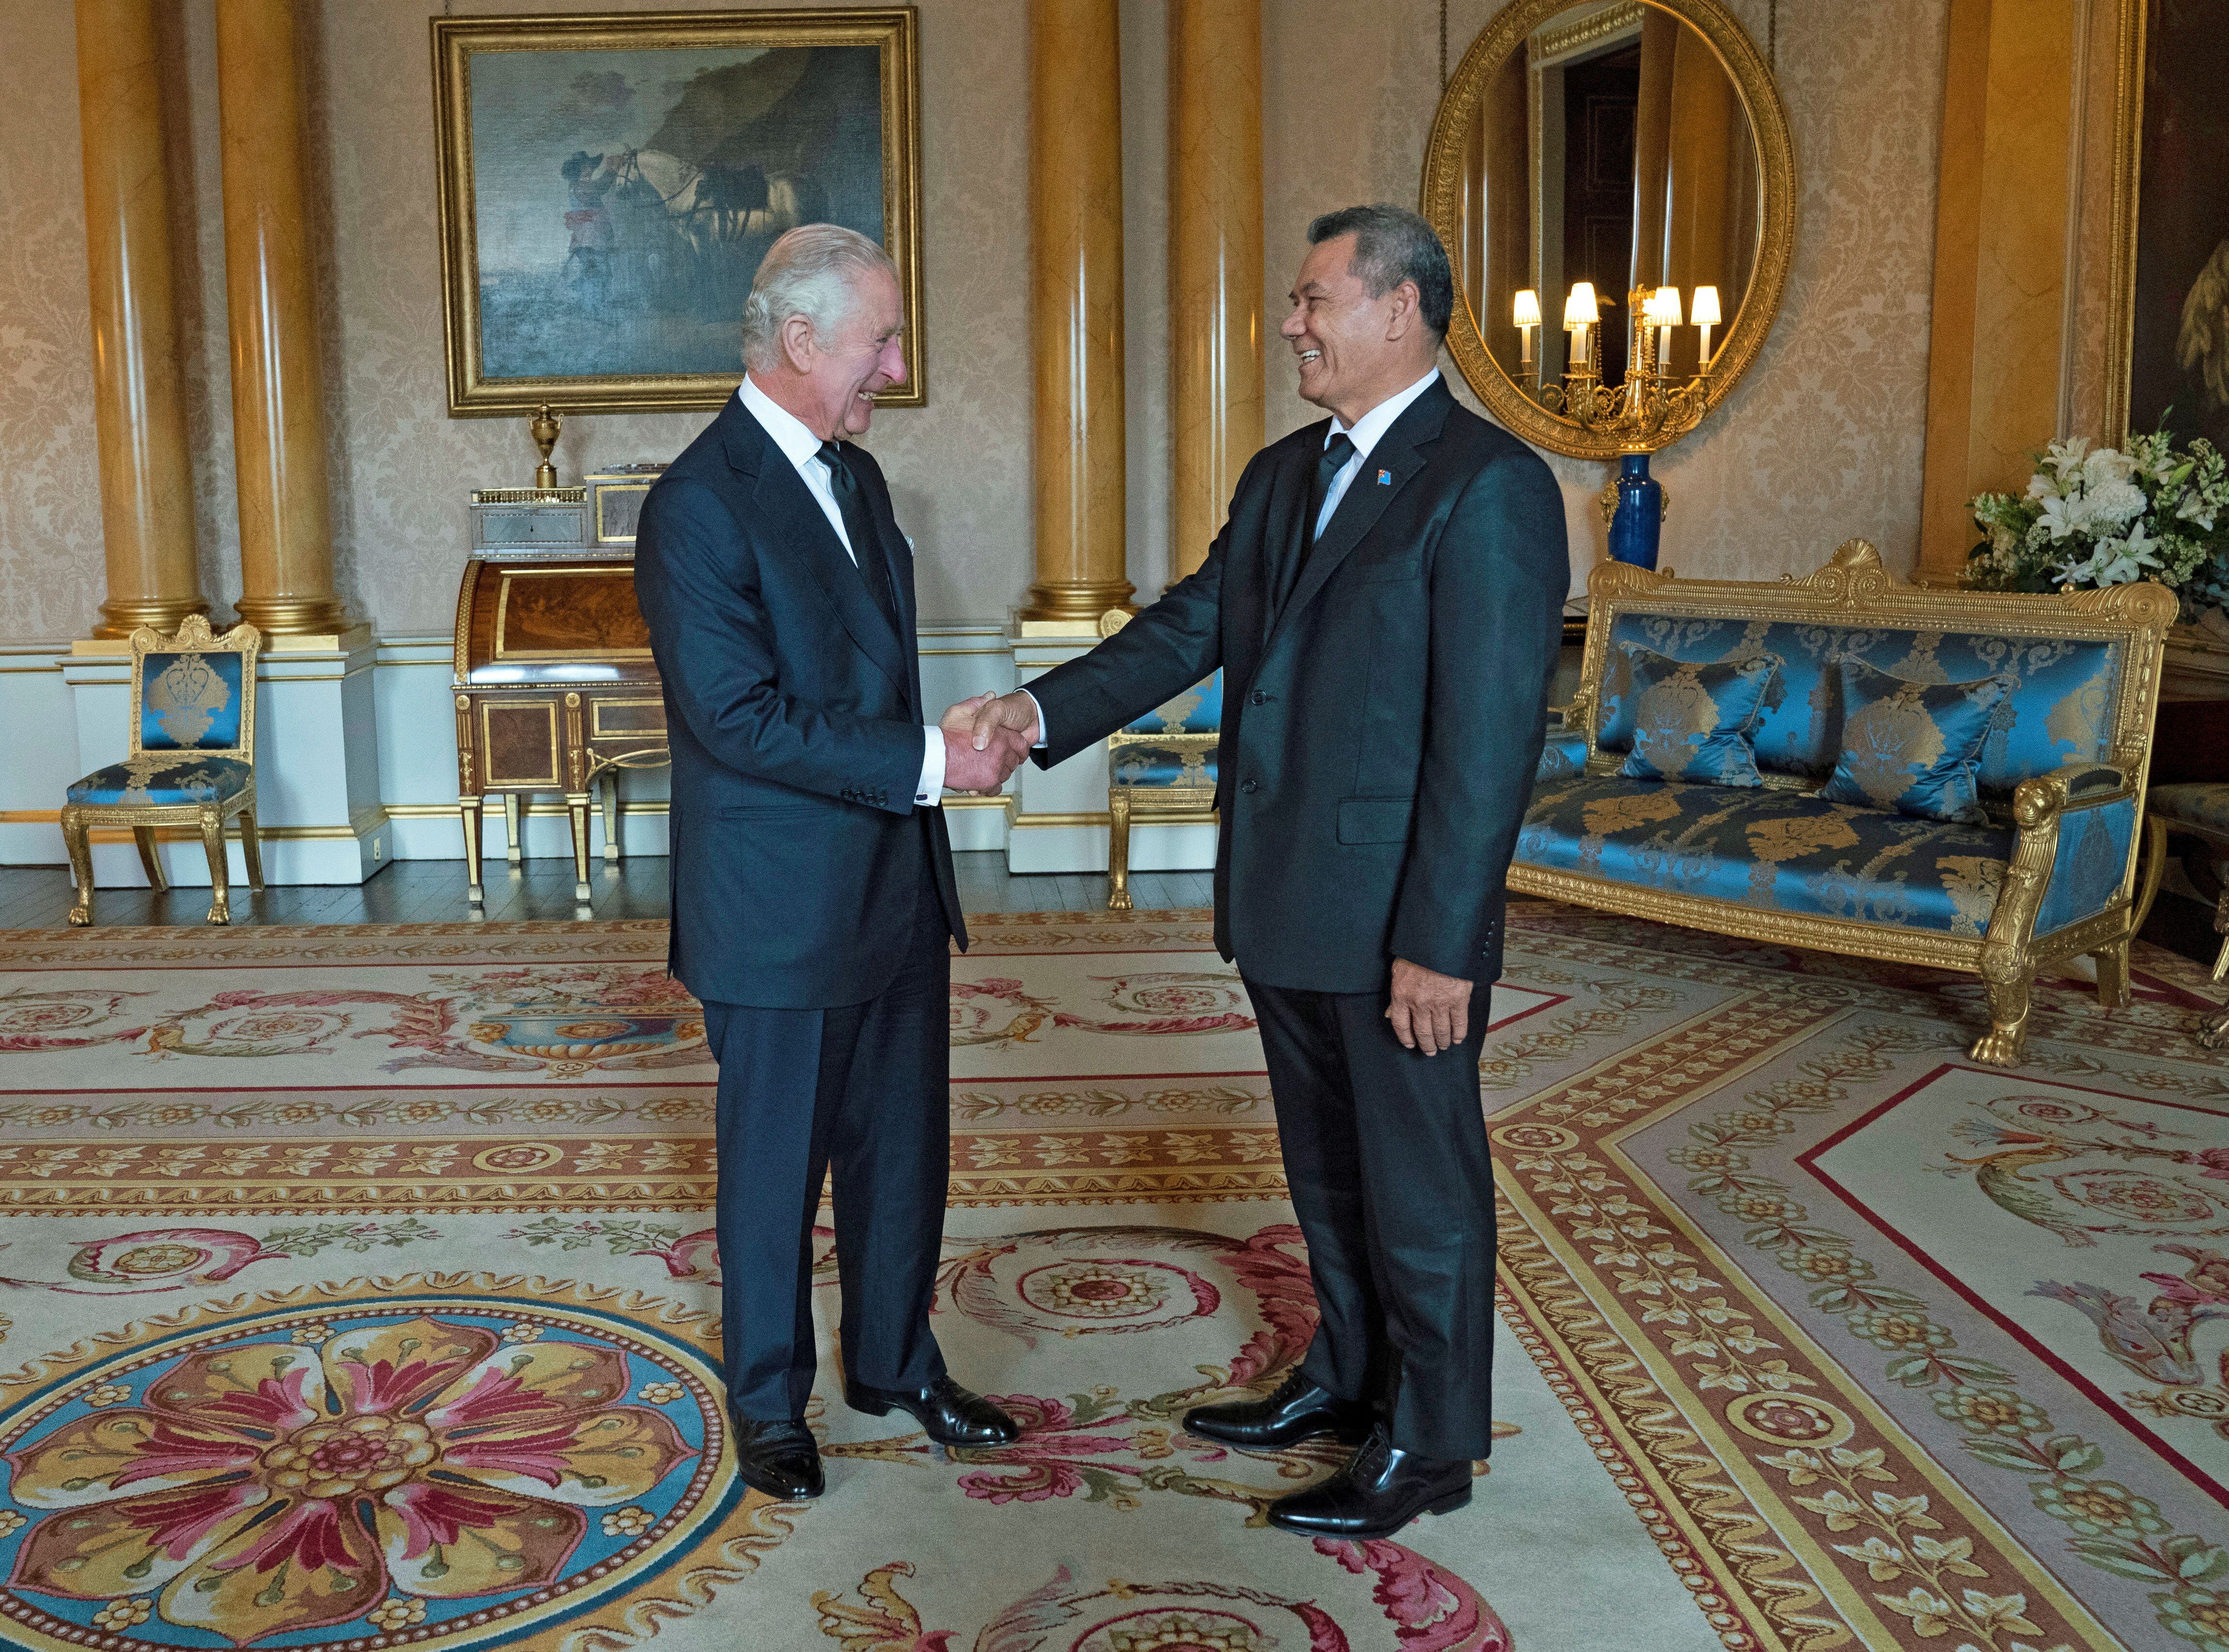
(802, 448)
(1365, 436)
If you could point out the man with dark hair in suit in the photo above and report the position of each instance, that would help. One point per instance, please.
(812, 889)
(1386, 603)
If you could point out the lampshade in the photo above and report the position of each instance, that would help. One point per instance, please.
(1706, 307)
(1663, 307)
(1527, 308)
(1582, 309)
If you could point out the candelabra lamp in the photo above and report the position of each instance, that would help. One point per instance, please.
(1653, 408)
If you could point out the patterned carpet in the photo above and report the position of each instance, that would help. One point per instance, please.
(358, 1294)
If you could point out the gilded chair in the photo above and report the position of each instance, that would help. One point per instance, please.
(192, 762)
(1160, 768)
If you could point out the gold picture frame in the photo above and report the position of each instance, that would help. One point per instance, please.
(662, 243)
(1441, 202)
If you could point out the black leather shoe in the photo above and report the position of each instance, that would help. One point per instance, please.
(1298, 1409)
(952, 1415)
(780, 1459)
(1375, 1494)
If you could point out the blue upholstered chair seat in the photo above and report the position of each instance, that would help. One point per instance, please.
(164, 777)
(1145, 764)
(2202, 806)
(1789, 852)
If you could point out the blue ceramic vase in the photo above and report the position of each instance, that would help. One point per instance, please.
(1638, 527)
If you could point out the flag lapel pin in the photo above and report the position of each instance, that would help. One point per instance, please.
(1385, 479)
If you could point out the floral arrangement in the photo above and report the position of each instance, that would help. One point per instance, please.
(2096, 516)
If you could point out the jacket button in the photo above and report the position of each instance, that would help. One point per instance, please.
(1249, 785)
(1259, 698)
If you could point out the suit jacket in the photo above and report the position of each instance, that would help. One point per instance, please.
(1381, 726)
(794, 713)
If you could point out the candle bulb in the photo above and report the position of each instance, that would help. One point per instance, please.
(1525, 313)
(1664, 305)
(1581, 310)
(1705, 318)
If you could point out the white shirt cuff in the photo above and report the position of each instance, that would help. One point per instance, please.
(1039, 744)
(930, 793)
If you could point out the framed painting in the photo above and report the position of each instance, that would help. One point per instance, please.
(610, 183)
(2171, 224)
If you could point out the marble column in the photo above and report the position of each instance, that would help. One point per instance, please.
(277, 393)
(146, 474)
(1216, 325)
(1076, 299)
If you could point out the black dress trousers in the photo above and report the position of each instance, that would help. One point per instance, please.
(860, 1092)
(1386, 1154)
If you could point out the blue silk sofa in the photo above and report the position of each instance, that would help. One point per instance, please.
(2043, 869)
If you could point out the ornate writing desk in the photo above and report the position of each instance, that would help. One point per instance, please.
(554, 689)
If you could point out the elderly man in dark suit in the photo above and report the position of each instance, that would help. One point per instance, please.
(1384, 602)
(813, 891)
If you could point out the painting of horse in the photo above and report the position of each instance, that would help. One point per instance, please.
(609, 186)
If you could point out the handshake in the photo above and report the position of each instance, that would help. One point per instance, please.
(986, 739)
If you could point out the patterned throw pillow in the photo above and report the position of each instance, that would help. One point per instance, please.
(1691, 721)
(1910, 746)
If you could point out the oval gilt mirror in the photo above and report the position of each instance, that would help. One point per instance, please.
(1614, 183)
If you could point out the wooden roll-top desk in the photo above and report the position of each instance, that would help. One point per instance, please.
(555, 692)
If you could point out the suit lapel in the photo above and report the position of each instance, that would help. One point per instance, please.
(1395, 459)
(1286, 537)
(800, 525)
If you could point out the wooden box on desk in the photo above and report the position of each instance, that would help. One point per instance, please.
(554, 690)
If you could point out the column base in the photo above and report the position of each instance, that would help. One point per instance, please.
(1078, 603)
(122, 616)
(294, 616)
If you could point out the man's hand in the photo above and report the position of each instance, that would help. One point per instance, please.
(969, 766)
(1430, 1012)
(986, 715)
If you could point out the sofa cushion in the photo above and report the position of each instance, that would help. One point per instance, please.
(1909, 746)
(164, 779)
(1680, 720)
(2059, 710)
(1786, 850)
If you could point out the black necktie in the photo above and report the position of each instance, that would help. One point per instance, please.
(866, 548)
(1336, 454)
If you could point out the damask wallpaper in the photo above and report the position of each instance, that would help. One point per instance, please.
(1822, 441)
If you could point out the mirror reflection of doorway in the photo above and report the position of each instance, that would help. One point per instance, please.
(1601, 98)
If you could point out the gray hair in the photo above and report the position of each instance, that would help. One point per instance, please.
(810, 271)
(1393, 245)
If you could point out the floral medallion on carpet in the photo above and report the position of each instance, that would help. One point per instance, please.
(357, 1291)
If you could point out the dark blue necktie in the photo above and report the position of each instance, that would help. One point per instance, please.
(866, 548)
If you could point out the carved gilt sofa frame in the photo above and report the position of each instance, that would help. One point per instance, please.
(2093, 796)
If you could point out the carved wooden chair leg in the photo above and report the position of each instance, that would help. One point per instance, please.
(250, 848)
(151, 857)
(610, 788)
(2113, 974)
(220, 876)
(576, 804)
(80, 857)
(1118, 851)
(511, 827)
(468, 810)
(2010, 985)
(2155, 867)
